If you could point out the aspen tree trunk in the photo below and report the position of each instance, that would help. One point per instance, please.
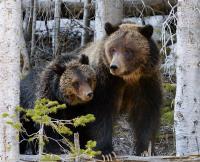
(107, 11)
(10, 23)
(24, 54)
(86, 22)
(26, 35)
(187, 101)
(77, 147)
(33, 28)
(41, 141)
(27, 22)
(56, 27)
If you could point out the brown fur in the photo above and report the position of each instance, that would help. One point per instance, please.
(128, 79)
(74, 73)
(67, 74)
(129, 35)
(68, 79)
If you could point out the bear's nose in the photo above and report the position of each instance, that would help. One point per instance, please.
(113, 67)
(90, 94)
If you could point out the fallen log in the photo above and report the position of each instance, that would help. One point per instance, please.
(192, 158)
(74, 8)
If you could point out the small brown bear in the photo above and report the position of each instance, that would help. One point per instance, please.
(71, 82)
(126, 62)
(68, 79)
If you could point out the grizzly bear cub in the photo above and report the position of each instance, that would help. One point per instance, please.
(68, 79)
(126, 63)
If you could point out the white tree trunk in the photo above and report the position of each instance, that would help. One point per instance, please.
(10, 22)
(23, 51)
(56, 29)
(33, 28)
(187, 107)
(86, 22)
(107, 11)
(24, 54)
(27, 22)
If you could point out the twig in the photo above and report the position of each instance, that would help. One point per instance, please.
(77, 147)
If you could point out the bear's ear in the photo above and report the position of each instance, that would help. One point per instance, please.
(109, 28)
(84, 59)
(59, 68)
(147, 31)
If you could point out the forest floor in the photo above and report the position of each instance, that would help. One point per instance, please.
(123, 140)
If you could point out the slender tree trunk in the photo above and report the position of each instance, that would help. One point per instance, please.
(41, 141)
(107, 11)
(10, 23)
(24, 33)
(187, 107)
(77, 147)
(33, 29)
(56, 27)
(27, 22)
(24, 53)
(86, 22)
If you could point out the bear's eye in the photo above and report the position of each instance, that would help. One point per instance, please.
(89, 81)
(129, 52)
(75, 84)
(112, 50)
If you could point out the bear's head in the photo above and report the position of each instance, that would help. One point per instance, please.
(129, 49)
(77, 81)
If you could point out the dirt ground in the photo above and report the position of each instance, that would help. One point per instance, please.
(123, 140)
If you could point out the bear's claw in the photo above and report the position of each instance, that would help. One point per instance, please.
(145, 154)
(108, 157)
(114, 154)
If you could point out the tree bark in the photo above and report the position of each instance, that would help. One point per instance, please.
(86, 22)
(25, 34)
(187, 101)
(41, 141)
(27, 22)
(56, 29)
(10, 23)
(107, 11)
(77, 147)
(33, 28)
(24, 53)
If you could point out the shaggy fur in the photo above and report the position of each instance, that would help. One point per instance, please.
(126, 64)
(67, 79)
(134, 86)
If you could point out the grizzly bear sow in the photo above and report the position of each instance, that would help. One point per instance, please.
(126, 62)
(67, 79)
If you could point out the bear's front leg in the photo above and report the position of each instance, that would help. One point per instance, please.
(145, 114)
(101, 132)
(145, 133)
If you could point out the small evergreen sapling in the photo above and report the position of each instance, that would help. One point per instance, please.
(41, 115)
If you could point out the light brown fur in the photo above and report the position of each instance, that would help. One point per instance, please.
(129, 35)
(128, 79)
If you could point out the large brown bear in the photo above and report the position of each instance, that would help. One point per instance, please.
(67, 79)
(126, 62)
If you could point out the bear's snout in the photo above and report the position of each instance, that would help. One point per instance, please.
(87, 96)
(113, 67)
